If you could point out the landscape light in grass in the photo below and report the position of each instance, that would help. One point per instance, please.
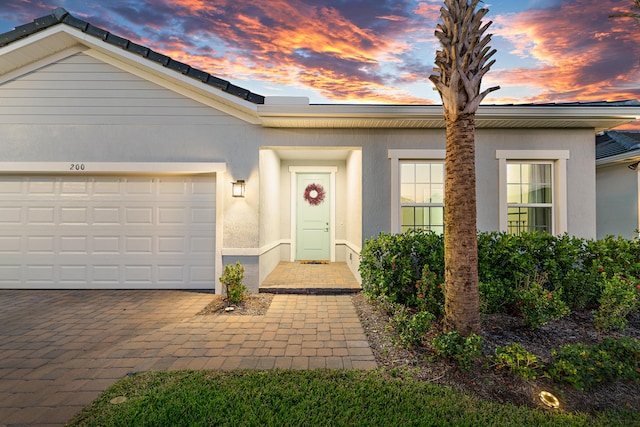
(549, 400)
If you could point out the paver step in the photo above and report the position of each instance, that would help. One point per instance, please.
(308, 291)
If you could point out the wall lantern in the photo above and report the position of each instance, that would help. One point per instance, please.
(237, 188)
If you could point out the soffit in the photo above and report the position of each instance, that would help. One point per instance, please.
(431, 116)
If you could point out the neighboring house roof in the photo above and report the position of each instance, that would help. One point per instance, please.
(49, 38)
(617, 146)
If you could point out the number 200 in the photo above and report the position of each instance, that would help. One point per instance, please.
(76, 167)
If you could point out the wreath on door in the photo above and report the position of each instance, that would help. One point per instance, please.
(314, 194)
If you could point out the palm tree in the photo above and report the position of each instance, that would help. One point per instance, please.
(460, 66)
(634, 13)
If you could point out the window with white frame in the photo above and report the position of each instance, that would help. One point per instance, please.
(417, 189)
(422, 196)
(529, 197)
(532, 193)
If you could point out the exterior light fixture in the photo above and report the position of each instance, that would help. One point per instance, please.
(549, 400)
(633, 166)
(237, 188)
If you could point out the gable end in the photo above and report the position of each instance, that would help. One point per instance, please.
(61, 16)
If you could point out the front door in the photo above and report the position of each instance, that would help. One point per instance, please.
(313, 215)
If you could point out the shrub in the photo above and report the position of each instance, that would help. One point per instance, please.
(620, 296)
(411, 328)
(539, 305)
(455, 347)
(392, 264)
(232, 278)
(585, 366)
(518, 360)
(615, 255)
(429, 295)
(495, 296)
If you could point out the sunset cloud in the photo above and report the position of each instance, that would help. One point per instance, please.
(375, 51)
(576, 52)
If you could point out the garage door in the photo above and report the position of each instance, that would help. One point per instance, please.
(107, 232)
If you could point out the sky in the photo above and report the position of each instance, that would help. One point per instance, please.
(374, 51)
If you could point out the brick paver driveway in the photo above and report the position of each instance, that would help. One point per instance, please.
(60, 349)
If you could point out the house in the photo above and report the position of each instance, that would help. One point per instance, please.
(618, 183)
(119, 166)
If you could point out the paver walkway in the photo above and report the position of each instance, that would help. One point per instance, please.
(60, 349)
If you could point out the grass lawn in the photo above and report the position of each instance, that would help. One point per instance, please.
(311, 398)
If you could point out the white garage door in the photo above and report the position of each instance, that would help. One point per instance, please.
(126, 232)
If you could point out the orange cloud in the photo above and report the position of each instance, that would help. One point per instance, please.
(581, 53)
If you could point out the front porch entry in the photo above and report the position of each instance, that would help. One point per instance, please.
(328, 278)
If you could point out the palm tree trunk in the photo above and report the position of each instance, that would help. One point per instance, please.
(460, 233)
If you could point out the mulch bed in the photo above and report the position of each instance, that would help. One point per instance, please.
(251, 305)
(484, 380)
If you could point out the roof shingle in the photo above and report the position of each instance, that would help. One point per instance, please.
(613, 143)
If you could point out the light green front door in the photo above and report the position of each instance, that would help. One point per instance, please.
(313, 212)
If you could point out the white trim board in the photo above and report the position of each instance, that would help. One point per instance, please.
(88, 168)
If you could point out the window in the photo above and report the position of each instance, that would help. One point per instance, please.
(422, 196)
(417, 190)
(532, 193)
(529, 197)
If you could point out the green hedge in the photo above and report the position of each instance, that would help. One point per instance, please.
(392, 264)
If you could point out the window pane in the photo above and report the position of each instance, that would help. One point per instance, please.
(437, 193)
(513, 173)
(422, 172)
(529, 183)
(436, 216)
(528, 220)
(407, 172)
(437, 173)
(407, 193)
(540, 194)
(408, 216)
(514, 193)
(423, 218)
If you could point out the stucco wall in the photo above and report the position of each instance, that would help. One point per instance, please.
(617, 207)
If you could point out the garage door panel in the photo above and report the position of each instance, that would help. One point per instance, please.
(73, 245)
(107, 232)
(40, 244)
(171, 245)
(138, 245)
(105, 245)
(74, 273)
(10, 215)
(138, 216)
(74, 215)
(172, 216)
(10, 274)
(41, 215)
(106, 215)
